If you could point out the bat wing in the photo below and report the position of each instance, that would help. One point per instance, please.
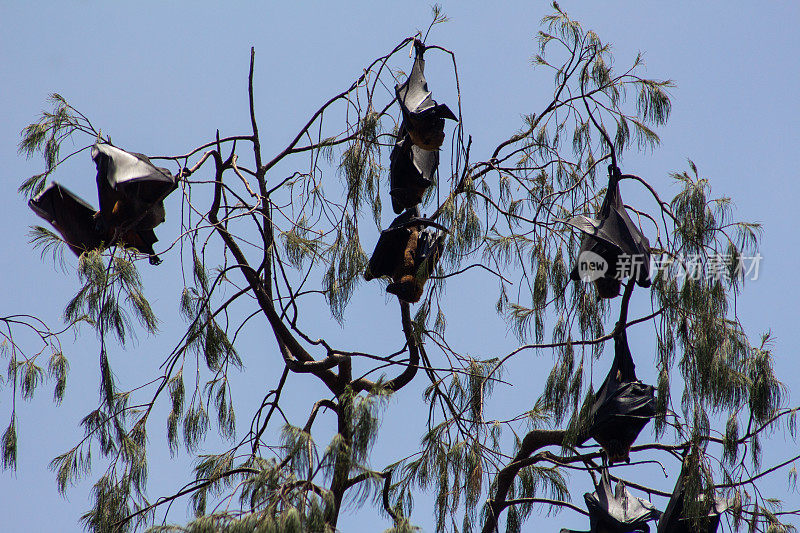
(415, 97)
(614, 232)
(142, 241)
(388, 253)
(621, 417)
(673, 521)
(425, 161)
(618, 510)
(413, 94)
(409, 165)
(620, 229)
(391, 245)
(131, 174)
(70, 215)
(124, 168)
(423, 117)
(623, 405)
(429, 250)
(411, 172)
(410, 217)
(131, 189)
(608, 284)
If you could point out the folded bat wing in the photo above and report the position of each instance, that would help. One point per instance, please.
(612, 234)
(411, 172)
(623, 405)
(422, 116)
(674, 520)
(618, 511)
(429, 250)
(414, 96)
(392, 242)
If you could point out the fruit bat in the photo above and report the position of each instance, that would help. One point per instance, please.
(75, 220)
(622, 406)
(423, 117)
(611, 235)
(673, 519)
(131, 189)
(411, 172)
(616, 511)
(408, 253)
(427, 250)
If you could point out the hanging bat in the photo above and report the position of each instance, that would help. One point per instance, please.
(75, 220)
(616, 511)
(611, 235)
(407, 253)
(411, 172)
(423, 117)
(622, 406)
(131, 189)
(674, 520)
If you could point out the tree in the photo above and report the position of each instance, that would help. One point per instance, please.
(265, 239)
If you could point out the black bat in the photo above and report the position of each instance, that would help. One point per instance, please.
(674, 519)
(423, 117)
(131, 189)
(411, 172)
(616, 511)
(407, 253)
(75, 220)
(72, 217)
(610, 236)
(622, 406)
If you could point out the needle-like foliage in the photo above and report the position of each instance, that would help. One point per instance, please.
(267, 238)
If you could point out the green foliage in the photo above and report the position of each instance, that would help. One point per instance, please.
(402, 526)
(177, 395)
(208, 340)
(58, 368)
(452, 461)
(290, 521)
(110, 506)
(300, 450)
(32, 377)
(359, 167)
(539, 481)
(764, 387)
(461, 218)
(10, 446)
(48, 243)
(347, 261)
(69, 467)
(506, 215)
(299, 243)
(365, 422)
(45, 137)
(195, 426)
(105, 284)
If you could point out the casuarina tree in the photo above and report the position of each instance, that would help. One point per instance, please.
(259, 239)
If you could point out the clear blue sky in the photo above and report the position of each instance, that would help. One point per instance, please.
(160, 78)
